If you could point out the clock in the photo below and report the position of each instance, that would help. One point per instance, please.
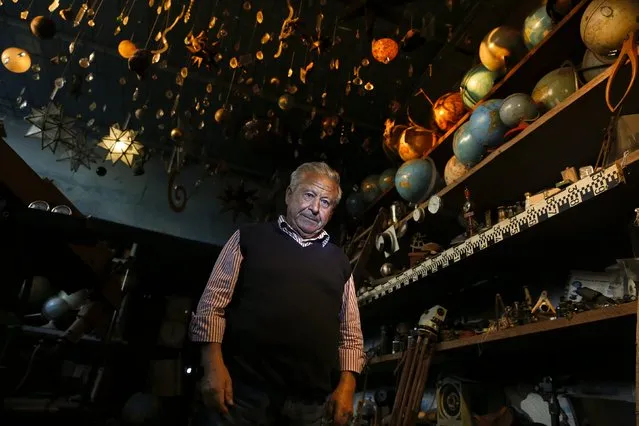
(419, 214)
(435, 204)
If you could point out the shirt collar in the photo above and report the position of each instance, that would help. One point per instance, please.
(323, 236)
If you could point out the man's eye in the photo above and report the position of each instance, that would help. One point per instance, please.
(308, 195)
(326, 203)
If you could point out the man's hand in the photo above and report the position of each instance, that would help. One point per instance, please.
(216, 385)
(342, 399)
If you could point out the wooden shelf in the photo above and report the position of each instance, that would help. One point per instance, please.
(602, 314)
(571, 197)
(560, 44)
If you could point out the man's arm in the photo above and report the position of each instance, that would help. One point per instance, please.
(208, 322)
(351, 343)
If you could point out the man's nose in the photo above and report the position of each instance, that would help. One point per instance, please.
(315, 206)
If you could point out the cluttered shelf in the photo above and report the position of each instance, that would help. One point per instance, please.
(558, 43)
(581, 318)
(585, 189)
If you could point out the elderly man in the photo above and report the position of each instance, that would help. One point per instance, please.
(277, 314)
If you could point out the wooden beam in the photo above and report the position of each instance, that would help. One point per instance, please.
(28, 186)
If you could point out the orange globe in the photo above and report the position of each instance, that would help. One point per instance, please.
(448, 110)
(415, 142)
(126, 48)
(384, 50)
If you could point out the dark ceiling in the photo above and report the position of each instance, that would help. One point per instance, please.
(296, 133)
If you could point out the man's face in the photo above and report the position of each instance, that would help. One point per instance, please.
(310, 205)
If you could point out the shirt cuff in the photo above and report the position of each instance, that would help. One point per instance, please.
(351, 360)
(206, 329)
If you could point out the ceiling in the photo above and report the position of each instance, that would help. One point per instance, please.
(296, 134)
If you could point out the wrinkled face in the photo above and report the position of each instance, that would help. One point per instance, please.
(310, 205)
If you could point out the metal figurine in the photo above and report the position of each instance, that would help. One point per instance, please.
(469, 212)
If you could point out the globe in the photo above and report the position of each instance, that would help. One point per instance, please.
(416, 179)
(485, 125)
(606, 23)
(355, 204)
(448, 110)
(391, 143)
(516, 108)
(454, 170)
(536, 27)
(467, 150)
(414, 142)
(370, 188)
(501, 48)
(555, 87)
(476, 84)
(387, 179)
(592, 65)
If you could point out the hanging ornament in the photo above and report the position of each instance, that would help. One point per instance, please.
(201, 50)
(121, 145)
(238, 200)
(384, 50)
(126, 49)
(16, 60)
(43, 28)
(140, 62)
(80, 153)
(50, 124)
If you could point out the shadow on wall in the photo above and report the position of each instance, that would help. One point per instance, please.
(139, 201)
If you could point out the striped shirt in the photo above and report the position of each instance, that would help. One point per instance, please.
(208, 323)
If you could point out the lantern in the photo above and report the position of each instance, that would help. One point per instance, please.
(384, 50)
(121, 145)
(16, 60)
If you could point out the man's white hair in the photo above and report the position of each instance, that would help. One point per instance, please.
(319, 168)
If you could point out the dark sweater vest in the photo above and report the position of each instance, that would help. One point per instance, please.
(282, 325)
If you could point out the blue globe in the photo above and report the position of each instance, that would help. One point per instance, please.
(516, 108)
(467, 150)
(387, 179)
(356, 204)
(416, 179)
(536, 27)
(485, 124)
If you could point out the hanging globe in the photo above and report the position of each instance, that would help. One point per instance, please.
(536, 27)
(415, 142)
(501, 48)
(140, 62)
(454, 170)
(42, 27)
(126, 49)
(16, 60)
(476, 84)
(384, 50)
(486, 126)
(555, 87)
(448, 110)
(416, 180)
(467, 150)
(516, 108)
(605, 24)
(387, 179)
(370, 188)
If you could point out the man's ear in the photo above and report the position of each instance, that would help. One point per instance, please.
(289, 193)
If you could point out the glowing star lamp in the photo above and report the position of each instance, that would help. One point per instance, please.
(121, 145)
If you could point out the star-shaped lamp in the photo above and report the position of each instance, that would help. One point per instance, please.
(121, 145)
(238, 200)
(81, 153)
(51, 126)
